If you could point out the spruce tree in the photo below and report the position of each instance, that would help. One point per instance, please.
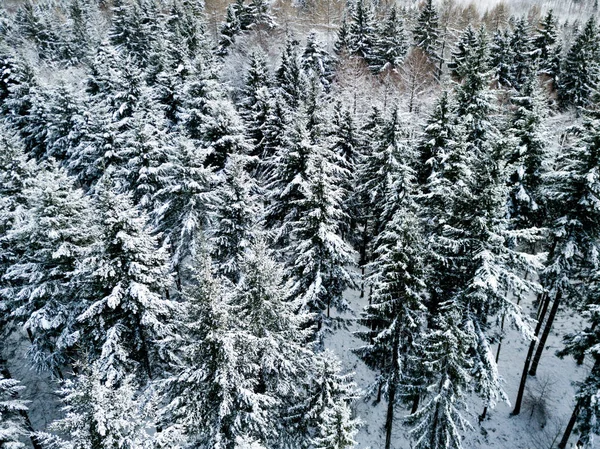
(319, 257)
(100, 415)
(464, 47)
(236, 220)
(12, 426)
(547, 48)
(51, 233)
(316, 61)
(127, 277)
(528, 157)
(580, 71)
(523, 53)
(362, 33)
(391, 45)
(502, 58)
(426, 34)
(290, 77)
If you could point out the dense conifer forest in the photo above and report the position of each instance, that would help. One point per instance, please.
(213, 215)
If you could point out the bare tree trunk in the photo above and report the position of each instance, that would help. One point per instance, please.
(544, 337)
(543, 308)
(565, 438)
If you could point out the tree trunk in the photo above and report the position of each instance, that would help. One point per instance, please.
(415, 404)
(392, 385)
(544, 337)
(543, 308)
(565, 438)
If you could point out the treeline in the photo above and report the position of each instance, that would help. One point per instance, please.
(173, 247)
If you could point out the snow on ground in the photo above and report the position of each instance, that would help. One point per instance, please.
(547, 405)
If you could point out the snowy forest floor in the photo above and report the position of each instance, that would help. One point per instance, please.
(547, 404)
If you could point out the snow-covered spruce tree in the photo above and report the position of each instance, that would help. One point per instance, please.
(426, 34)
(391, 45)
(256, 103)
(363, 32)
(237, 216)
(471, 238)
(522, 50)
(318, 257)
(290, 77)
(502, 58)
(133, 28)
(547, 47)
(445, 360)
(241, 17)
(384, 162)
(325, 411)
(223, 133)
(126, 277)
(338, 429)
(274, 132)
(528, 157)
(465, 45)
(436, 141)
(12, 426)
(287, 178)
(210, 391)
(230, 28)
(184, 204)
(396, 307)
(100, 415)
(343, 38)
(346, 142)
(50, 235)
(580, 70)
(273, 337)
(316, 61)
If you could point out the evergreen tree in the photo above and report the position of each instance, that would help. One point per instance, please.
(211, 391)
(100, 415)
(257, 103)
(184, 204)
(522, 50)
(445, 355)
(338, 428)
(396, 306)
(547, 48)
(464, 48)
(362, 34)
(391, 45)
(528, 157)
(426, 33)
(126, 276)
(502, 58)
(342, 42)
(316, 61)
(12, 427)
(318, 256)
(581, 68)
(236, 218)
(291, 79)
(51, 233)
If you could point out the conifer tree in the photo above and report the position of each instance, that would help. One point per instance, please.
(362, 32)
(291, 79)
(236, 221)
(49, 237)
(462, 51)
(522, 51)
(526, 205)
(547, 47)
(184, 203)
(318, 256)
(316, 61)
(100, 415)
(391, 45)
(256, 103)
(426, 33)
(581, 68)
(502, 58)
(12, 427)
(211, 392)
(342, 42)
(338, 428)
(127, 277)
(396, 306)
